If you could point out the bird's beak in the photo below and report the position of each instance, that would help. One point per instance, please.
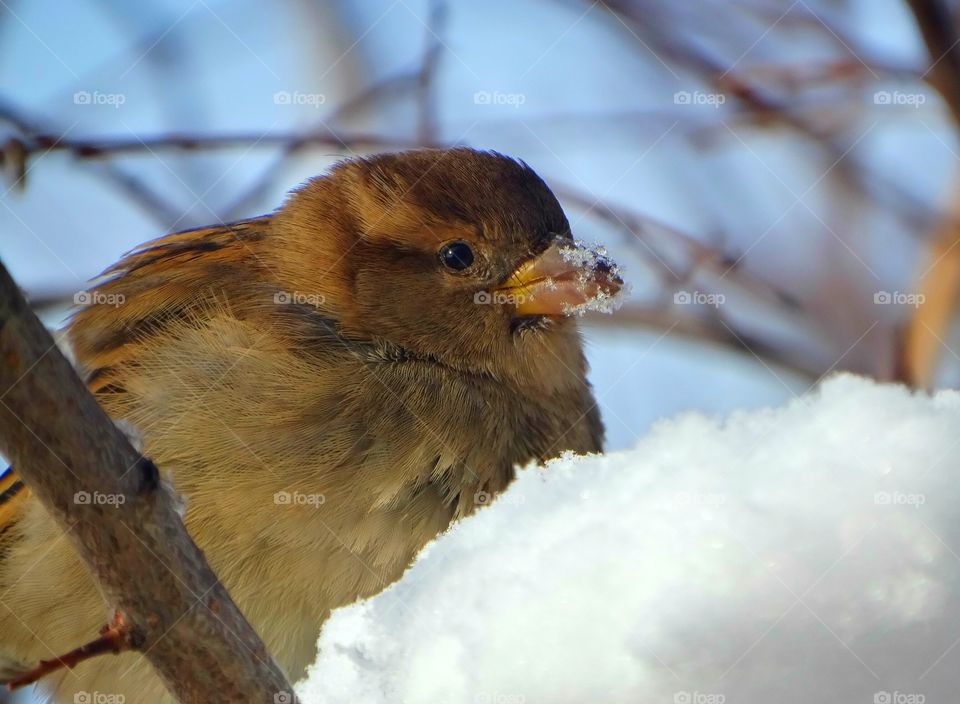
(564, 279)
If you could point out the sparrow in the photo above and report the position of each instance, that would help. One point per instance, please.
(327, 387)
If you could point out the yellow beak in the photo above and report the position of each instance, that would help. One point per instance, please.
(564, 279)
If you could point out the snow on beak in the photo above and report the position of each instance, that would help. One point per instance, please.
(566, 279)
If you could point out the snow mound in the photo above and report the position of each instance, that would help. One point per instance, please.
(802, 554)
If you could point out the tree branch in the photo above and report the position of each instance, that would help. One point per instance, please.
(61, 442)
(921, 341)
(940, 36)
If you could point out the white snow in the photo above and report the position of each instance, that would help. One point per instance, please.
(801, 554)
(587, 257)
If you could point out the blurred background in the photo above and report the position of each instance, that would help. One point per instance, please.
(777, 179)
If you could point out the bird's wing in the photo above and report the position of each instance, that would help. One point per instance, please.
(155, 284)
(98, 331)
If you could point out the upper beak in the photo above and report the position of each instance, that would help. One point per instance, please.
(564, 279)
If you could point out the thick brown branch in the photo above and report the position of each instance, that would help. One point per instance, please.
(61, 442)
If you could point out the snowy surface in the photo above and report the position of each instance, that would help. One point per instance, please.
(802, 554)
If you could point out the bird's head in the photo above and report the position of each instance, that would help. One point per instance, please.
(460, 256)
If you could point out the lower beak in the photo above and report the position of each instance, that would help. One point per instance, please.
(565, 279)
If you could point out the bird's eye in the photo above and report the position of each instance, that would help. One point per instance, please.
(456, 255)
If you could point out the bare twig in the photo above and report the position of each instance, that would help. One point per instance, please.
(707, 332)
(935, 22)
(426, 108)
(100, 148)
(922, 340)
(115, 637)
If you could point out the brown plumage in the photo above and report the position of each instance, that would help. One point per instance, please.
(328, 387)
